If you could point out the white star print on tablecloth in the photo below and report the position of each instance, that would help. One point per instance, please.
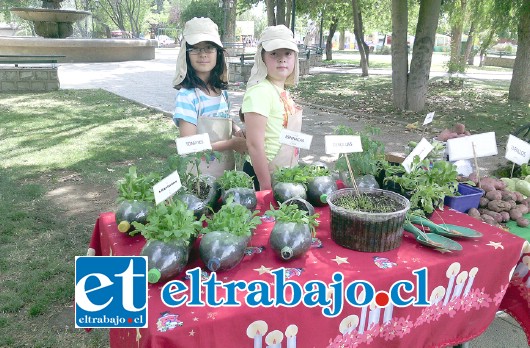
(340, 260)
(496, 245)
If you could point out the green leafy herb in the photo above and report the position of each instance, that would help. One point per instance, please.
(296, 174)
(368, 162)
(137, 187)
(291, 213)
(427, 182)
(234, 178)
(167, 222)
(313, 171)
(233, 218)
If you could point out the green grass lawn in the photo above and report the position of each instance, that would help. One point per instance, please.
(91, 136)
(384, 61)
(482, 106)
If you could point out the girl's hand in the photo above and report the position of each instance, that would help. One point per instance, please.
(240, 133)
(239, 144)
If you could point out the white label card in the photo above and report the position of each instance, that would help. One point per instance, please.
(194, 143)
(517, 150)
(428, 118)
(167, 187)
(422, 150)
(295, 139)
(480, 145)
(343, 144)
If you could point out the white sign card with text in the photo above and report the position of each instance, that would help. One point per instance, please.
(343, 144)
(421, 150)
(479, 145)
(167, 187)
(295, 139)
(517, 150)
(194, 143)
(428, 118)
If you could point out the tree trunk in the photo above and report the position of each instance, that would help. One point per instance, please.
(400, 63)
(359, 36)
(456, 47)
(230, 35)
(456, 38)
(288, 12)
(420, 64)
(342, 38)
(469, 45)
(519, 87)
(271, 18)
(329, 41)
(280, 12)
(484, 46)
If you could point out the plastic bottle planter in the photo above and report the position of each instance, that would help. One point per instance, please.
(290, 240)
(318, 188)
(285, 190)
(363, 181)
(370, 232)
(165, 260)
(207, 198)
(302, 204)
(221, 251)
(244, 196)
(130, 211)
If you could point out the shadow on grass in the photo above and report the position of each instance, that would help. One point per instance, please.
(93, 135)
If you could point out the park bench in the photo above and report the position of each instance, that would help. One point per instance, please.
(28, 74)
(17, 59)
(234, 49)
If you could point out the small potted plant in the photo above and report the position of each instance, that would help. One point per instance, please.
(136, 198)
(240, 186)
(367, 165)
(170, 230)
(293, 231)
(368, 220)
(289, 183)
(227, 235)
(199, 191)
(320, 183)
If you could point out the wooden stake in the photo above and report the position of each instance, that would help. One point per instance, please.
(476, 163)
(354, 183)
(513, 168)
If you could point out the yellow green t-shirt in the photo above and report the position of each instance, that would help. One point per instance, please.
(264, 99)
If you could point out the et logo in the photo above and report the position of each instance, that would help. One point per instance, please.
(111, 292)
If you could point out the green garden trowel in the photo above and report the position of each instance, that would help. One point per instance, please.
(432, 240)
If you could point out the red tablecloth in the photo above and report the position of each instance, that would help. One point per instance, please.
(466, 289)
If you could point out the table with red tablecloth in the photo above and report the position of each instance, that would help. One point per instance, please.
(465, 289)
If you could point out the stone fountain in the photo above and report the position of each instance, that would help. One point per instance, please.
(50, 21)
(54, 25)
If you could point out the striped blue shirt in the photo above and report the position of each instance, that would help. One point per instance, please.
(188, 107)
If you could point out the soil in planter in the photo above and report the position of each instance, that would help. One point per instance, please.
(368, 203)
(204, 189)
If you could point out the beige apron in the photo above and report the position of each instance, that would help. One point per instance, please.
(287, 155)
(218, 128)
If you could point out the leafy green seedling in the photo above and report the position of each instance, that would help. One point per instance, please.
(234, 219)
(234, 178)
(291, 213)
(137, 187)
(169, 222)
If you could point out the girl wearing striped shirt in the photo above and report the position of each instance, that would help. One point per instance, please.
(202, 104)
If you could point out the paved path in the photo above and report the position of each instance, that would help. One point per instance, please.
(150, 83)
